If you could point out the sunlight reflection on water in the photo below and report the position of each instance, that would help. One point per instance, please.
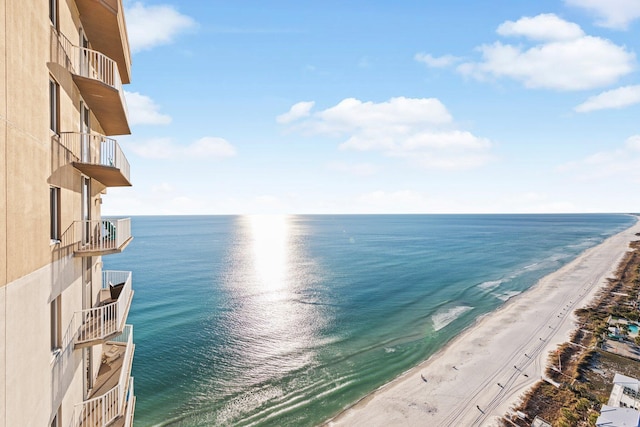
(271, 333)
(269, 236)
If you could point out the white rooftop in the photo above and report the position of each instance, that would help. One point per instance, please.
(611, 416)
(626, 381)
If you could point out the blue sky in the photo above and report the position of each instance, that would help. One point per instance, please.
(414, 106)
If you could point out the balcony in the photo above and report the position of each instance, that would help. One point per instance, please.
(103, 22)
(107, 318)
(101, 236)
(98, 79)
(111, 401)
(130, 408)
(98, 157)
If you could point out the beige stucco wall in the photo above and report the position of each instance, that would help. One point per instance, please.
(27, 143)
(31, 157)
(33, 271)
(3, 162)
(30, 363)
(3, 355)
(3, 222)
(3, 198)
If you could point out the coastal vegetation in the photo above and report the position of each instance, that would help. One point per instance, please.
(580, 372)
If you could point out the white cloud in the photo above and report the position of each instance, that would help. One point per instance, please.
(566, 60)
(357, 169)
(399, 113)
(419, 130)
(544, 27)
(534, 202)
(622, 163)
(459, 140)
(528, 197)
(405, 201)
(144, 111)
(267, 204)
(616, 14)
(165, 148)
(158, 148)
(150, 26)
(451, 150)
(162, 188)
(616, 98)
(208, 147)
(436, 62)
(297, 111)
(633, 143)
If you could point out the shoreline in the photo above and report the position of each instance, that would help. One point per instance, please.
(484, 371)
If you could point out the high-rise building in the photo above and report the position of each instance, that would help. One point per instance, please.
(65, 348)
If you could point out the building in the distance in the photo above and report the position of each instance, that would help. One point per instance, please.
(625, 392)
(65, 348)
(624, 401)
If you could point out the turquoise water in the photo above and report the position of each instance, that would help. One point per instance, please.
(286, 320)
(633, 329)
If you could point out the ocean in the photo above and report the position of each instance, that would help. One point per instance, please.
(286, 320)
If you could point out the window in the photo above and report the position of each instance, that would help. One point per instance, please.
(86, 271)
(53, 12)
(85, 131)
(85, 61)
(56, 329)
(54, 104)
(86, 209)
(54, 204)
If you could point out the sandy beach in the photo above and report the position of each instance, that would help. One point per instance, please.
(484, 371)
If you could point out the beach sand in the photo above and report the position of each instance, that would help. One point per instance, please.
(483, 372)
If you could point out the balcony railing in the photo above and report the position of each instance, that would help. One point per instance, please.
(99, 157)
(105, 26)
(130, 408)
(108, 316)
(98, 79)
(101, 236)
(106, 405)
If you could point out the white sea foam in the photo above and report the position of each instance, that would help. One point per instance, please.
(444, 317)
(505, 296)
(246, 402)
(389, 350)
(290, 405)
(490, 284)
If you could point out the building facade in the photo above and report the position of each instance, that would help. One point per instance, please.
(65, 348)
(625, 392)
